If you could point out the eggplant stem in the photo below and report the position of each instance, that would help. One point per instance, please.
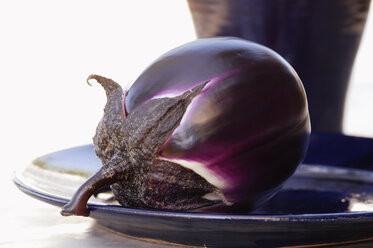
(110, 173)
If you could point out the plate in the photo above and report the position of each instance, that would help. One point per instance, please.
(328, 201)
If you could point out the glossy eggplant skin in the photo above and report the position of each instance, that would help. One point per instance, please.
(247, 130)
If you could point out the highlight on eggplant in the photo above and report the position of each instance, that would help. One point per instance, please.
(215, 125)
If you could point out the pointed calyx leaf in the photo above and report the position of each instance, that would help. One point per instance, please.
(113, 92)
(108, 84)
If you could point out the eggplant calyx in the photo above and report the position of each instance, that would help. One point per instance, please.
(129, 149)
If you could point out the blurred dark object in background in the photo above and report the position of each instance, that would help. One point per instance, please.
(318, 38)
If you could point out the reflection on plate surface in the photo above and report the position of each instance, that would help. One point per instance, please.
(328, 200)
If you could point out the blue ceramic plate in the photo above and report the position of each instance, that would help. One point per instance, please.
(329, 200)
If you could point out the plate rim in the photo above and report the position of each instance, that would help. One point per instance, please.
(114, 209)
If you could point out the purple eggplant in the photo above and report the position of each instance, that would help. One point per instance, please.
(217, 124)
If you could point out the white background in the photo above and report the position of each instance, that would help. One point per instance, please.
(48, 48)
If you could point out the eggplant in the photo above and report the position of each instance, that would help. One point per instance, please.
(215, 125)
